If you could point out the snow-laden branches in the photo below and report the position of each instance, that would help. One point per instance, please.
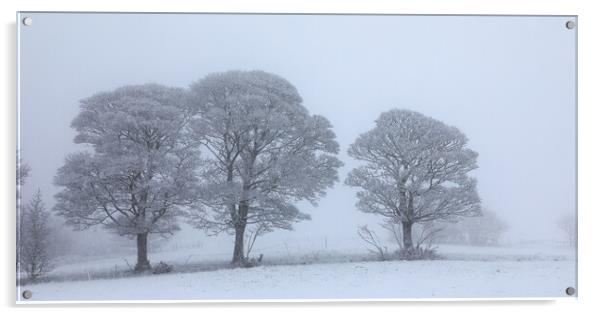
(416, 170)
(266, 152)
(142, 167)
(34, 244)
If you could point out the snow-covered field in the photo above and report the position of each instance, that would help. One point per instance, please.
(393, 279)
(478, 272)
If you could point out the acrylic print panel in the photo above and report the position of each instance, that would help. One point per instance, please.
(266, 156)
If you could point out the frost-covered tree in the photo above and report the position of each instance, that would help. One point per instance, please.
(141, 169)
(416, 170)
(484, 230)
(568, 225)
(35, 255)
(23, 170)
(267, 152)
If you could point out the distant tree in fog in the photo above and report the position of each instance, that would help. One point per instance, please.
(568, 226)
(415, 171)
(35, 258)
(267, 152)
(484, 230)
(141, 169)
(22, 171)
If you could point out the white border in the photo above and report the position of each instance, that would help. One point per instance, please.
(317, 300)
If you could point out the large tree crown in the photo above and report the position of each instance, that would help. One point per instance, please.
(259, 113)
(133, 117)
(142, 167)
(416, 169)
(407, 142)
(235, 85)
(264, 144)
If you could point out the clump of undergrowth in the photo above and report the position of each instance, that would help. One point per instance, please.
(247, 262)
(418, 253)
(162, 267)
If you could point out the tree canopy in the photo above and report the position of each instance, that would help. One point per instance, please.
(266, 152)
(415, 170)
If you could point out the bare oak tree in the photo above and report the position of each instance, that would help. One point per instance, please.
(267, 152)
(142, 168)
(416, 170)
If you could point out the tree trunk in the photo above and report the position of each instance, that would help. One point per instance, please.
(239, 253)
(239, 229)
(141, 243)
(407, 235)
(240, 225)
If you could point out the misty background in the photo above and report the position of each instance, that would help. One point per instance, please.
(508, 83)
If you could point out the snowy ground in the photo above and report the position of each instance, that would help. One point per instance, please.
(416, 279)
(466, 272)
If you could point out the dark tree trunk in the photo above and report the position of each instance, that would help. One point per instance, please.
(141, 243)
(407, 235)
(239, 229)
(239, 253)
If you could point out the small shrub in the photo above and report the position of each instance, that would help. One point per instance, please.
(418, 253)
(162, 268)
(247, 262)
(374, 243)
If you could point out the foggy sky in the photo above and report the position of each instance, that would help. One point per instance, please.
(507, 82)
